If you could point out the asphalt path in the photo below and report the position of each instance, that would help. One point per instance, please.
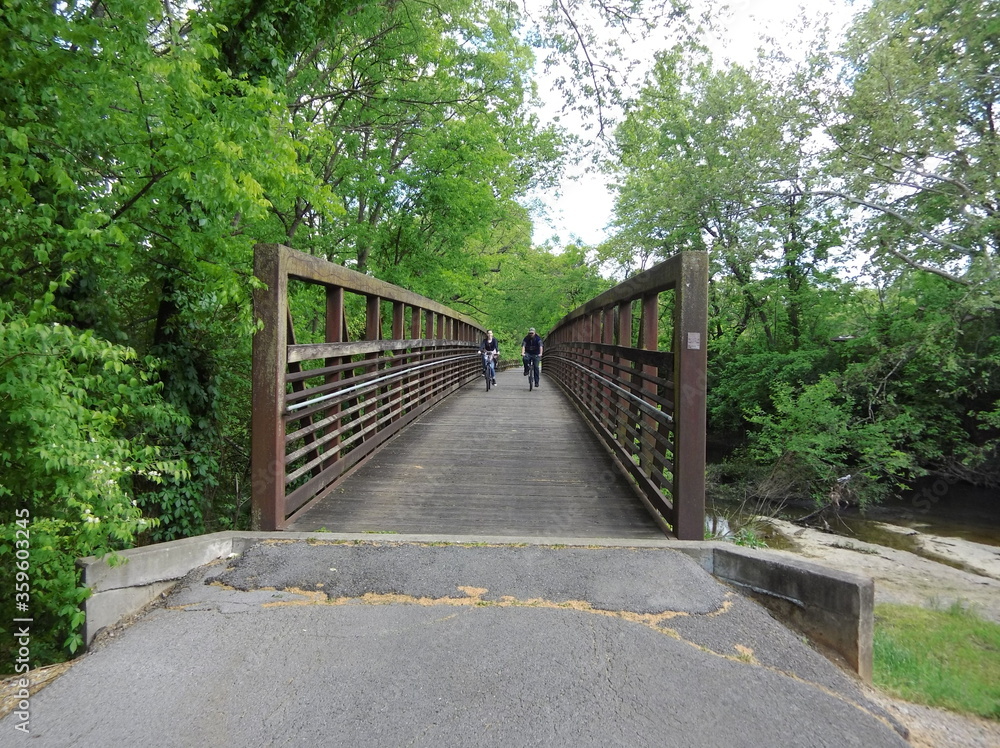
(397, 644)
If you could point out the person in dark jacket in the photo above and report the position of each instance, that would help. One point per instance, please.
(531, 354)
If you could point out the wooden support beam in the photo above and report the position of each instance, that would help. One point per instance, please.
(267, 440)
(690, 377)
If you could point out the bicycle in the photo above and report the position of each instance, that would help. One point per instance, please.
(489, 368)
(534, 364)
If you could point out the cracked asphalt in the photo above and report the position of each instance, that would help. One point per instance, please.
(397, 644)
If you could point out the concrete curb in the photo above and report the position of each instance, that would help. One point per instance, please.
(834, 608)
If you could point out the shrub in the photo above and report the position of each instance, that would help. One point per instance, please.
(72, 412)
(817, 441)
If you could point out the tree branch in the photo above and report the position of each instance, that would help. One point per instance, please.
(591, 67)
(926, 268)
(944, 244)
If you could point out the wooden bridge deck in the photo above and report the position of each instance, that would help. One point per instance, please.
(507, 462)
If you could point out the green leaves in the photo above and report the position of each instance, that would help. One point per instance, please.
(792, 179)
(814, 437)
(412, 121)
(916, 136)
(68, 460)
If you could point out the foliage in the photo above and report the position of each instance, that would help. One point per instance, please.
(750, 533)
(747, 537)
(132, 164)
(411, 120)
(916, 136)
(785, 175)
(943, 658)
(589, 48)
(814, 440)
(146, 147)
(70, 460)
(536, 289)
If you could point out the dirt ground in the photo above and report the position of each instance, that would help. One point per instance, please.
(966, 573)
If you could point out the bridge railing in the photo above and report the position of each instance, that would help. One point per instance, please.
(320, 408)
(647, 405)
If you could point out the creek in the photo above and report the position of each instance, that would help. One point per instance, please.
(934, 508)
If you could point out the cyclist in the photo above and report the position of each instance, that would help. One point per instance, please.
(531, 354)
(490, 344)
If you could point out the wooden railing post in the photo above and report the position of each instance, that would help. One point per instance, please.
(608, 338)
(595, 337)
(373, 331)
(267, 465)
(398, 323)
(414, 322)
(650, 342)
(690, 377)
(624, 341)
(412, 398)
(398, 308)
(335, 333)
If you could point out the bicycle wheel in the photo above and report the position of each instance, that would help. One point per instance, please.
(489, 379)
(531, 379)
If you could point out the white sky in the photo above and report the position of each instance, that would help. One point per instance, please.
(583, 209)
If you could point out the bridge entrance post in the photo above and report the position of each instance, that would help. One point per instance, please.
(690, 375)
(267, 444)
(650, 341)
(335, 332)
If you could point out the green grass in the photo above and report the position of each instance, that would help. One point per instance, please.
(943, 658)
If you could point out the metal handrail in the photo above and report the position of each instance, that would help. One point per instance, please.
(310, 423)
(651, 412)
(342, 391)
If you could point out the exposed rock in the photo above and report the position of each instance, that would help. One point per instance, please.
(967, 573)
(904, 577)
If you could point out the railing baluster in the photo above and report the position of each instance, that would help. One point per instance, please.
(335, 332)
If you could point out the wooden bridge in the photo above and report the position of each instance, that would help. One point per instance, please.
(394, 431)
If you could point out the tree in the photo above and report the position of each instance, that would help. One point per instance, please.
(916, 136)
(536, 288)
(412, 122)
(917, 154)
(595, 48)
(68, 464)
(128, 167)
(728, 160)
(724, 161)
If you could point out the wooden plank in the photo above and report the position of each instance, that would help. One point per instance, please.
(508, 462)
(317, 270)
(659, 277)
